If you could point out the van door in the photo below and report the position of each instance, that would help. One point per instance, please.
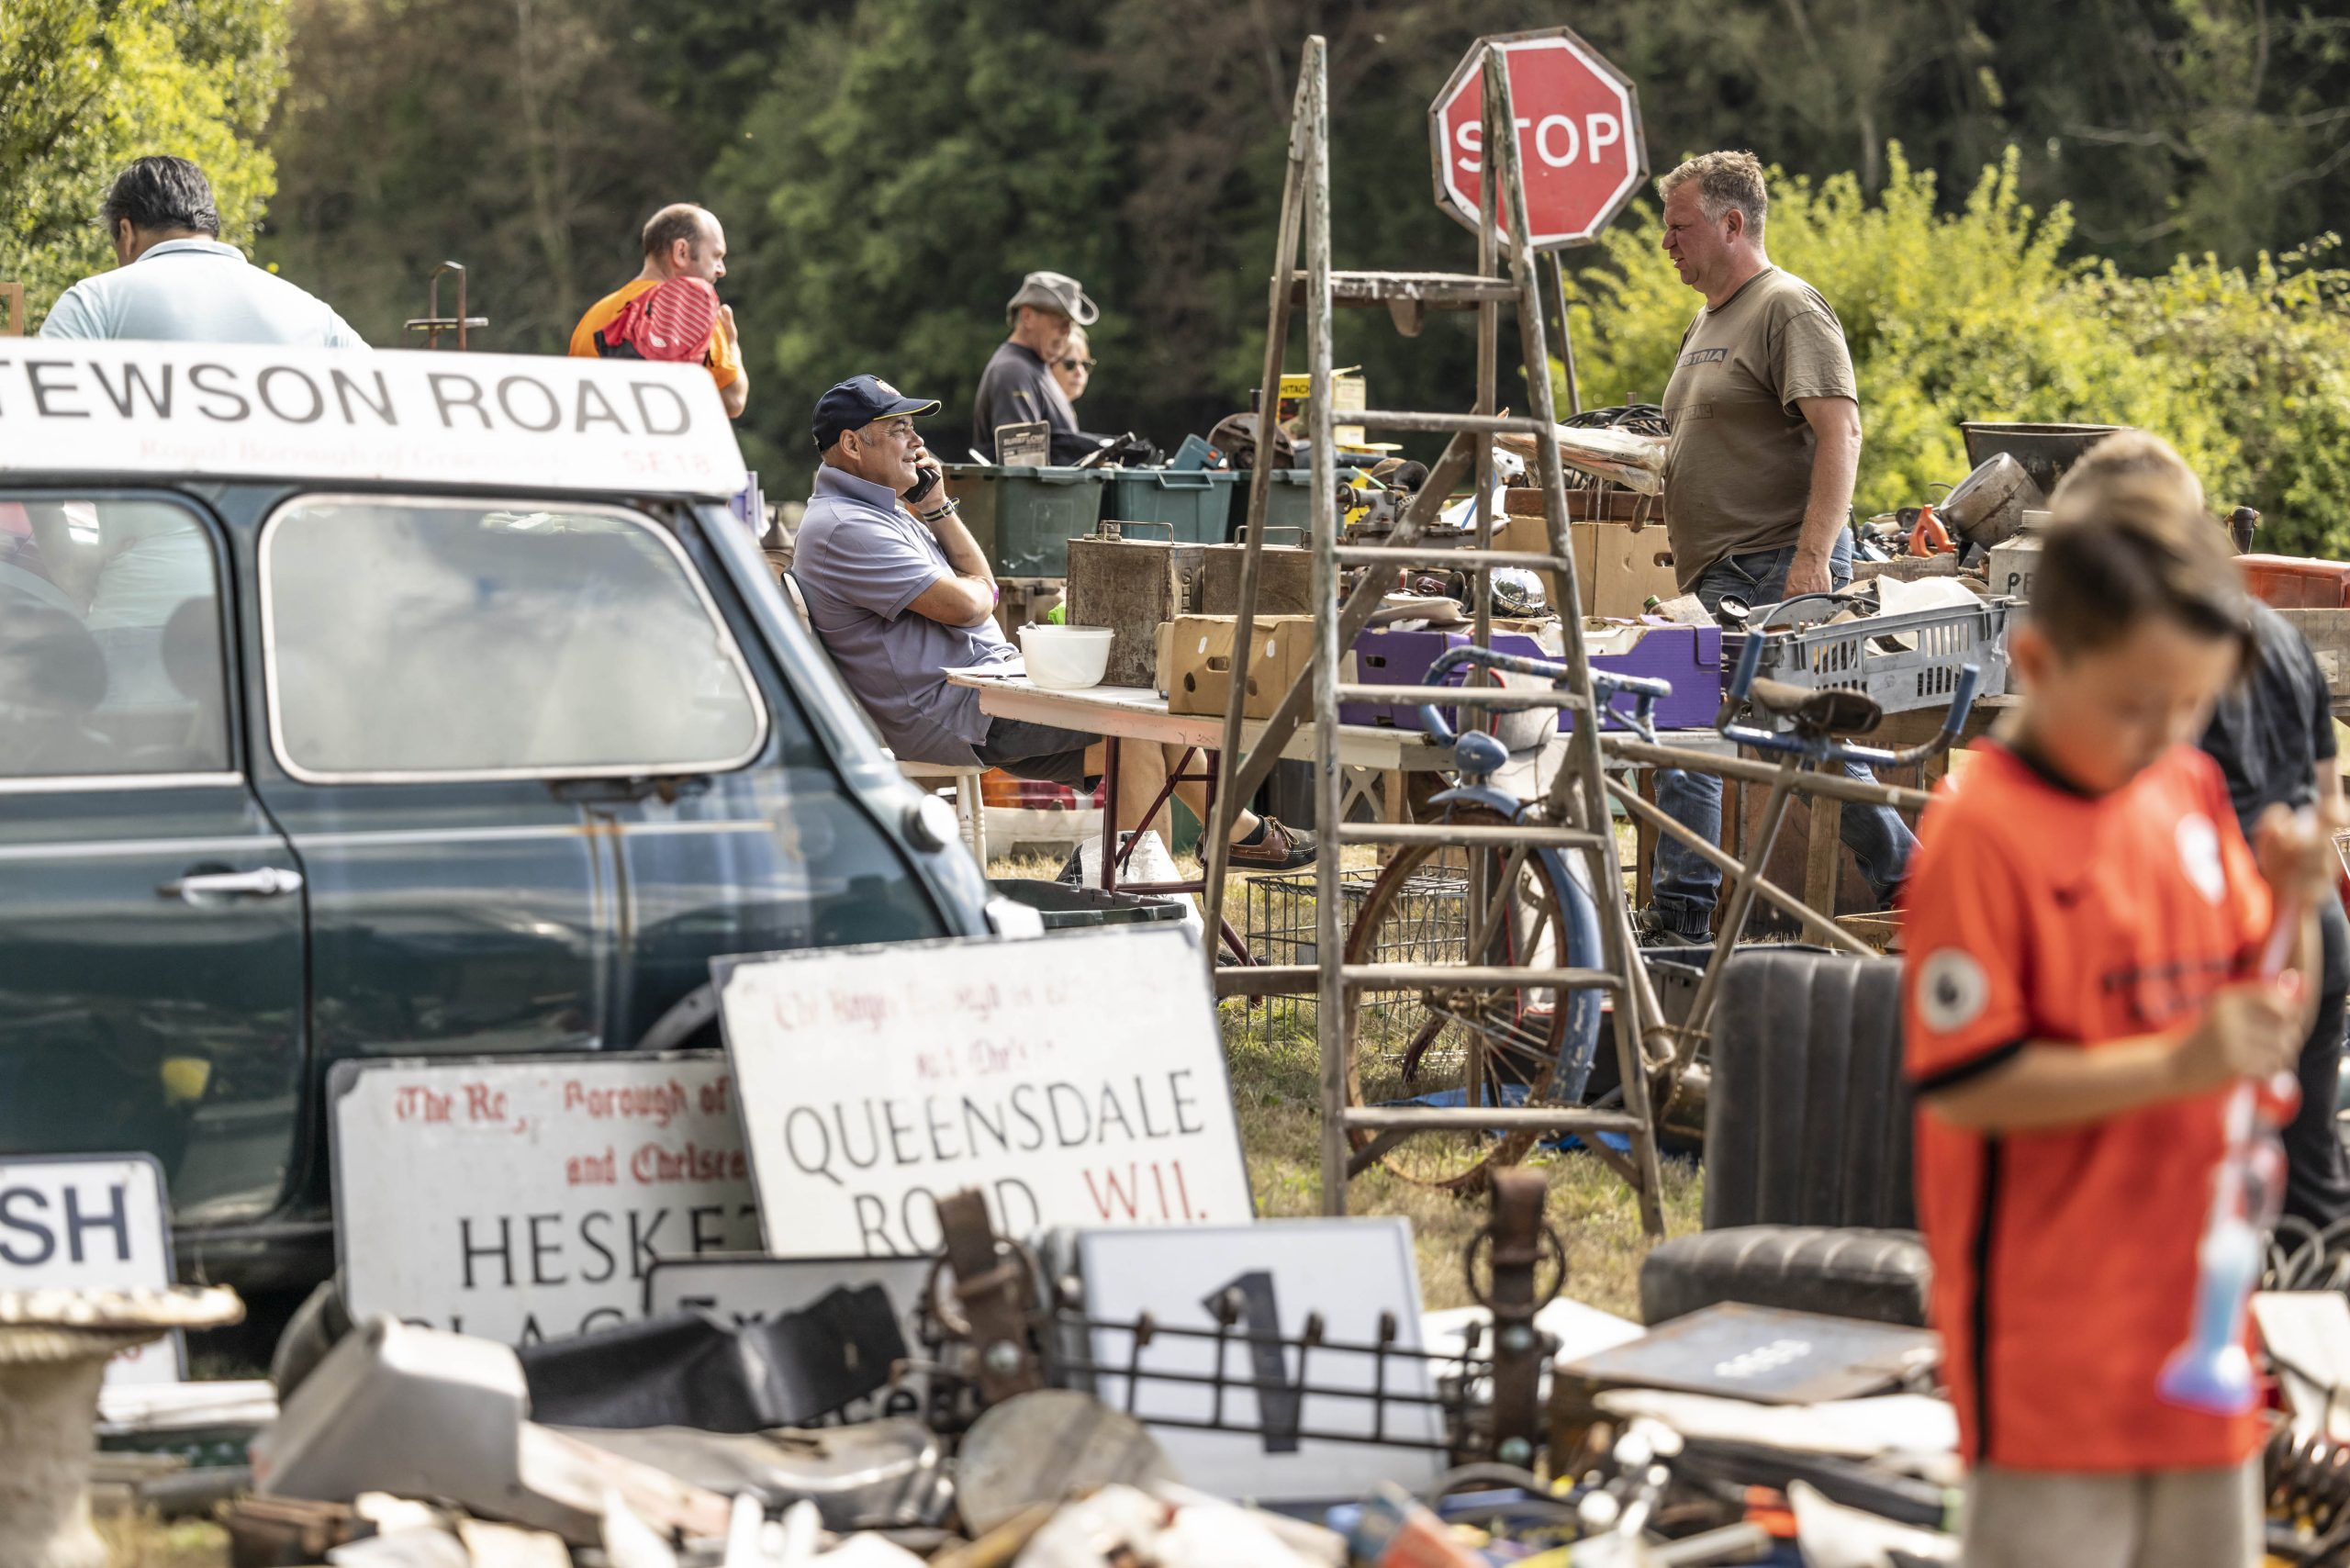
(772, 856)
(458, 692)
(150, 913)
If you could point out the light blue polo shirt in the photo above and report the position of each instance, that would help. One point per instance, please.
(860, 561)
(197, 291)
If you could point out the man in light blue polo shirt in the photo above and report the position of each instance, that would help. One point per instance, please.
(900, 593)
(176, 283)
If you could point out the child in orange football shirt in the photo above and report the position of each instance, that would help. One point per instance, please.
(2082, 920)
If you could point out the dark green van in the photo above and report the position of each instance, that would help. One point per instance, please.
(392, 704)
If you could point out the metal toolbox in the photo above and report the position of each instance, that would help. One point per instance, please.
(1284, 578)
(1900, 661)
(1132, 586)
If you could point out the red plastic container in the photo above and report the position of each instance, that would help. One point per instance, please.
(2296, 582)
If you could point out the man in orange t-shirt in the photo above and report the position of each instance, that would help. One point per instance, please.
(2081, 925)
(680, 240)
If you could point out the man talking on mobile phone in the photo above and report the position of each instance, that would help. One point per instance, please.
(900, 593)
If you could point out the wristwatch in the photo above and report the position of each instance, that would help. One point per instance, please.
(949, 509)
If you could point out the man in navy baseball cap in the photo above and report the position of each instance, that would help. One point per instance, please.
(858, 402)
(900, 593)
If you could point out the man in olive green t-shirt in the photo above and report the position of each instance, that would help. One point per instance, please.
(1765, 419)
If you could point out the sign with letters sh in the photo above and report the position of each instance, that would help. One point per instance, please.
(1074, 1081)
(525, 1198)
(91, 1222)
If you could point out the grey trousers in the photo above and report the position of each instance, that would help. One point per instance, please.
(2139, 1519)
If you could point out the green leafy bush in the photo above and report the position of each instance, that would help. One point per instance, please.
(1976, 314)
(93, 85)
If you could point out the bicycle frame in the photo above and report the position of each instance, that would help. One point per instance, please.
(1800, 751)
(1476, 756)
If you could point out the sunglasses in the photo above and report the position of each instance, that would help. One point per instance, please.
(1074, 366)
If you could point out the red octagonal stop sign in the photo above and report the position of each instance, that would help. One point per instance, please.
(1578, 135)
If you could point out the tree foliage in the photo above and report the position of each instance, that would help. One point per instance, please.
(92, 85)
(1977, 314)
(514, 136)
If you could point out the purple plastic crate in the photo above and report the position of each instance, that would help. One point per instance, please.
(1402, 659)
(1688, 656)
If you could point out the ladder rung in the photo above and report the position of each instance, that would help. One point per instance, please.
(1517, 1118)
(1464, 695)
(1437, 291)
(1303, 980)
(1463, 557)
(1471, 977)
(1442, 424)
(1445, 835)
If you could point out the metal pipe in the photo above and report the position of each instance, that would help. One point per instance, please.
(1835, 786)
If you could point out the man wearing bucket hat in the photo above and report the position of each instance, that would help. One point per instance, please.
(1017, 387)
(900, 593)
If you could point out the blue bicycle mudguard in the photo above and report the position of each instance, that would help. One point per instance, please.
(1579, 943)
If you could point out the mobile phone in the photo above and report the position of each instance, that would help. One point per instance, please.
(926, 477)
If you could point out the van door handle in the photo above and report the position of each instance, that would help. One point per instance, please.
(270, 881)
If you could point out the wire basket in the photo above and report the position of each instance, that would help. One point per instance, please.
(1862, 656)
(1428, 923)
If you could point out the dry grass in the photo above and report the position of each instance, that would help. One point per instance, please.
(145, 1541)
(1275, 1093)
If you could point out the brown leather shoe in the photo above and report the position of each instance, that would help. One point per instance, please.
(1278, 848)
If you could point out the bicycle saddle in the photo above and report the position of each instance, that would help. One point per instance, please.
(1831, 711)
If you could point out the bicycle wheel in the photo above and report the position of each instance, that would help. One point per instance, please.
(1464, 1046)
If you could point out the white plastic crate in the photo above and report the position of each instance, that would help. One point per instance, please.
(1857, 655)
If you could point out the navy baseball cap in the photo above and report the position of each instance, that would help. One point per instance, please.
(858, 402)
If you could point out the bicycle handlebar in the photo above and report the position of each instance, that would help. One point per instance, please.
(1825, 749)
(1604, 687)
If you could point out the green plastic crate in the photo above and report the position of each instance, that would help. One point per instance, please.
(1194, 502)
(1289, 504)
(1023, 518)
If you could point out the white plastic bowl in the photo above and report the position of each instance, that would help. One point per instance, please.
(1066, 658)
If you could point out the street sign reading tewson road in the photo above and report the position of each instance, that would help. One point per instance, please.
(1578, 135)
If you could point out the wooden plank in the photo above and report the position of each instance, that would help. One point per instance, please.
(1824, 855)
(12, 297)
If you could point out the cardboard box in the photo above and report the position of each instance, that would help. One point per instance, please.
(1617, 567)
(1199, 662)
(1348, 395)
(1612, 505)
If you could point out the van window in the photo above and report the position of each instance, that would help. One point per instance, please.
(110, 640)
(410, 638)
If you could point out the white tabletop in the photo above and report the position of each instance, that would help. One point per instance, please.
(1136, 713)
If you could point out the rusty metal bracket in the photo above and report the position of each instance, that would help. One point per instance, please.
(432, 323)
(993, 1296)
(1514, 1245)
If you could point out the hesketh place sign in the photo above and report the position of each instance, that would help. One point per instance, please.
(220, 410)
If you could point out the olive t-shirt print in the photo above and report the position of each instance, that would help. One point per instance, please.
(1738, 473)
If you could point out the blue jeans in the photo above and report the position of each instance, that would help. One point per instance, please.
(1686, 888)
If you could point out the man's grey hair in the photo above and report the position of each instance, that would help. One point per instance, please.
(1724, 180)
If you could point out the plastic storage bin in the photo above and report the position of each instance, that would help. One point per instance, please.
(1195, 503)
(1289, 501)
(1690, 657)
(1023, 518)
(1065, 907)
(2294, 582)
(1857, 655)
